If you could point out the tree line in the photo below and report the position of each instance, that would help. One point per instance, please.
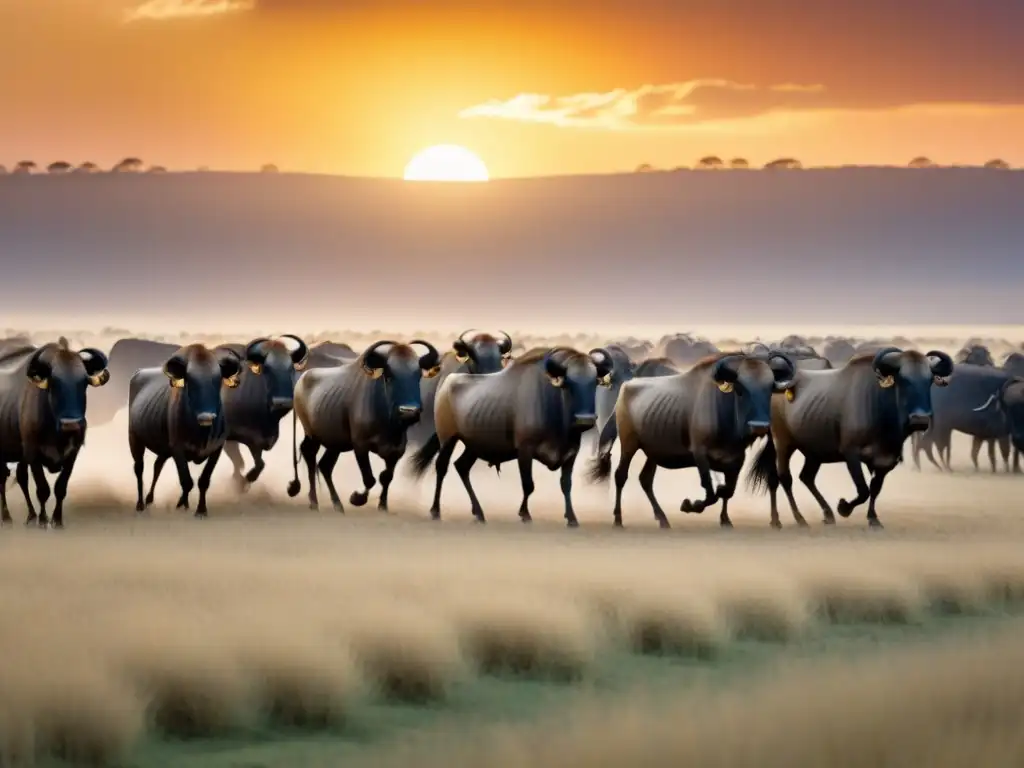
(127, 165)
(711, 162)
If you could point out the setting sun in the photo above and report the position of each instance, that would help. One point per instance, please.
(446, 162)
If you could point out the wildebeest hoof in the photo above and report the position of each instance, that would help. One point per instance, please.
(200, 514)
(478, 517)
(6, 522)
(314, 506)
(802, 523)
(829, 520)
(57, 525)
(338, 507)
(572, 522)
(662, 522)
(293, 489)
(525, 517)
(776, 524)
(875, 523)
(44, 521)
(686, 506)
(30, 520)
(252, 475)
(182, 504)
(382, 506)
(435, 513)
(845, 508)
(140, 507)
(725, 523)
(358, 498)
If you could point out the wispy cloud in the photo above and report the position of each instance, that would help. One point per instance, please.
(159, 10)
(665, 105)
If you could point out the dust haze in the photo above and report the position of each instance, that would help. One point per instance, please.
(271, 635)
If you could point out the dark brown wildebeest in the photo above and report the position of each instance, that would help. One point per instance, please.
(365, 407)
(177, 412)
(43, 419)
(535, 410)
(476, 353)
(861, 413)
(263, 397)
(706, 418)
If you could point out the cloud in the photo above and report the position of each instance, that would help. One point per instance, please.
(666, 105)
(160, 10)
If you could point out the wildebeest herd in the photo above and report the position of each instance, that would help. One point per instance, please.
(692, 406)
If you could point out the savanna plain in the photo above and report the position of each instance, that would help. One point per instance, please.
(272, 635)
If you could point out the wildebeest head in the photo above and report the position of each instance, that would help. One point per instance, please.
(63, 375)
(484, 353)
(750, 381)
(1014, 364)
(401, 369)
(578, 376)
(975, 354)
(912, 374)
(200, 372)
(276, 361)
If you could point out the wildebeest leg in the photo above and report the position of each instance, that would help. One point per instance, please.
(526, 480)
(975, 450)
(42, 491)
(626, 453)
(5, 512)
(565, 483)
(463, 465)
(710, 495)
(945, 446)
(390, 462)
(647, 483)
(853, 465)
(258, 465)
(60, 488)
(326, 465)
(204, 481)
(876, 488)
(138, 451)
(358, 498)
(808, 475)
(915, 449)
(309, 449)
(158, 467)
(444, 458)
(926, 445)
(1004, 450)
(234, 453)
(21, 474)
(185, 479)
(726, 491)
(1016, 461)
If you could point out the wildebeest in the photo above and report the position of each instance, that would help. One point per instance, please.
(43, 419)
(706, 418)
(684, 350)
(838, 351)
(365, 407)
(1014, 364)
(330, 354)
(859, 414)
(608, 396)
(254, 409)
(177, 412)
(960, 408)
(535, 410)
(974, 354)
(802, 354)
(1011, 403)
(470, 353)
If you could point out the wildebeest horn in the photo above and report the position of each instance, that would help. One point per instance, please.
(38, 369)
(506, 343)
(882, 366)
(432, 358)
(602, 361)
(784, 374)
(374, 360)
(175, 369)
(941, 363)
(230, 363)
(463, 349)
(255, 353)
(301, 352)
(725, 369)
(552, 366)
(95, 363)
(988, 402)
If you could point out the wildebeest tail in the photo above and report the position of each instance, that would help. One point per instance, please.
(294, 486)
(600, 467)
(765, 471)
(420, 461)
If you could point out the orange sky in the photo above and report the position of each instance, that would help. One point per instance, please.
(358, 86)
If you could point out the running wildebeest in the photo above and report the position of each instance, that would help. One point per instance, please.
(956, 409)
(177, 412)
(535, 410)
(365, 407)
(1008, 404)
(859, 414)
(263, 397)
(706, 418)
(43, 420)
(476, 353)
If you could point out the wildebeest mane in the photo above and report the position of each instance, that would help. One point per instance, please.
(537, 354)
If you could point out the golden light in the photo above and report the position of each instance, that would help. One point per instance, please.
(446, 162)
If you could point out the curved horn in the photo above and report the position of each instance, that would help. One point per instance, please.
(462, 336)
(95, 363)
(942, 366)
(38, 370)
(374, 361)
(603, 362)
(724, 371)
(506, 343)
(254, 352)
(987, 403)
(879, 360)
(431, 359)
(301, 352)
(783, 376)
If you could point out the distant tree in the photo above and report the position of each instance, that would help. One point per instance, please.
(921, 162)
(87, 167)
(998, 165)
(269, 168)
(738, 162)
(711, 161)
(58, 167)
(25, 167)
(128, 165)
(784, 163)
(644, 168)
(156, 169)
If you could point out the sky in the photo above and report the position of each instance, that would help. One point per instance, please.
(357, 87)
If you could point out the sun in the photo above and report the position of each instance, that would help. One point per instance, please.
(446, 162)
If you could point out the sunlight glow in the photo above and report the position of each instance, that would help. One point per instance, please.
(446, 162)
